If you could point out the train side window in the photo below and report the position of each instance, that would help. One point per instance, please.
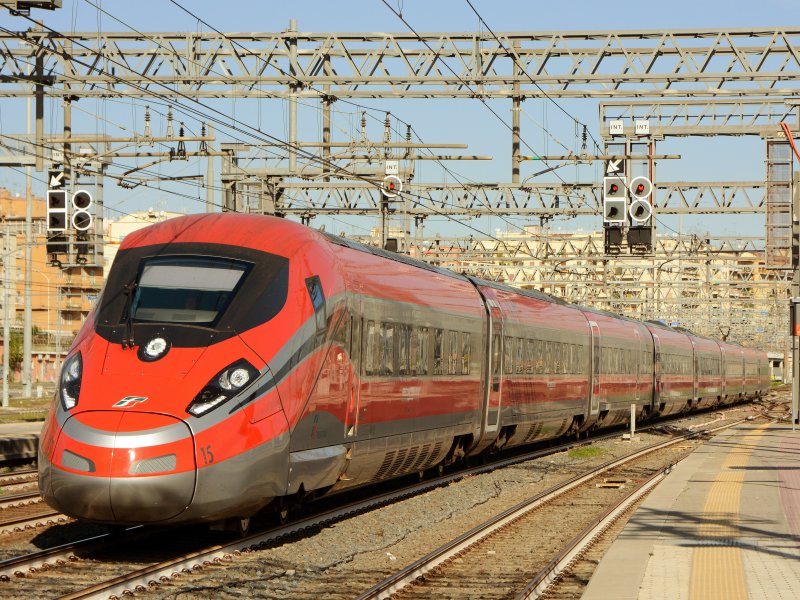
(370, 352)
(414, 351)
(355, 343)
(519, 356)
(438, 351)
(424, 349)
(529, 357)
(496, 360)
(387, 335)
(341, 335)
(402, 354)
(508, 356)
(538, 349)
(465, 352)
(451, 352)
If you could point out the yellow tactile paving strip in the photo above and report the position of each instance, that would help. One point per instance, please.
(717, 568)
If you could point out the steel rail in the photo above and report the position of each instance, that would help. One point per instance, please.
(20, 499)
(578, 545)
(419, 568)
(49, 518)
(20, 566)
(150, 576)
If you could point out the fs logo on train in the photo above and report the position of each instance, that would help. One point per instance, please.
(129, 401)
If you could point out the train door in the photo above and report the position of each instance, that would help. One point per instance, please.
(656, 370)
(594, 390)
(495, 387)
(723, 370)
(695, 371)
(354, 382)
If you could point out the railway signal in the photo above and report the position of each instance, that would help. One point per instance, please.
(81, 217)
(641, 209)
(56, 210)
(640, 233)
(615, 199)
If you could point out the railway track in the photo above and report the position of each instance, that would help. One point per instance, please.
(21, 477)
(518, 553)
(16, 500)
(31, 519)
(71, 569)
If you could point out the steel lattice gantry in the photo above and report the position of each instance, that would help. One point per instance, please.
(601, 64)
(706, 284)
(534, 200)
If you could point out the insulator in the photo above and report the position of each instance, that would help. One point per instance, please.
(147, 132)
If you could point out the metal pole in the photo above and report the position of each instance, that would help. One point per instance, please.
(633, 421)
(795, 294)
(292, 100)
(326, 120)
(210, 175)
(27, 341)
(6, 311)
(58, 330)
(515, 110)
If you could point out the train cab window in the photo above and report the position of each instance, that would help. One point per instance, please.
(314, 286)
(186, 289)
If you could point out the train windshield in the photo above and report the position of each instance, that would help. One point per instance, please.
(186, 289)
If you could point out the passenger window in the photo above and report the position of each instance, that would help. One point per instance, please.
(424, 350)
(465, 353)
(438, 351)
(370, 352)
(387, 333)
(508, 356)
(403, 362)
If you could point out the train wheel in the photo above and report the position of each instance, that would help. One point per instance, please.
(243, 526)
(281, 514)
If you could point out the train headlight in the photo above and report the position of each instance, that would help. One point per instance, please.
(70, 383)
(222, 387)
(234, 379)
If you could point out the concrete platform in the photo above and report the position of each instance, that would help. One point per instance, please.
(19, 441)
(725, 524)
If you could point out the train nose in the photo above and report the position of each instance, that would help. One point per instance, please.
(123, 467)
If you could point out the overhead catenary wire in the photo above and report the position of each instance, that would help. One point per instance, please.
(323, 93)
(259, 134)
(515, 58)
(355, 104)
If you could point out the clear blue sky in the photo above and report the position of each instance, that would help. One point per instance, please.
(464, 121)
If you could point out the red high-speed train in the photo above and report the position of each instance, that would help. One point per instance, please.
(236, 361)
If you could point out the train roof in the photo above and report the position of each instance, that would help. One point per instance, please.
(401, 258)
(521, 292)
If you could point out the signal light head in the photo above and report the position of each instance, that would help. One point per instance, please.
(641, 187)
(391, 186)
